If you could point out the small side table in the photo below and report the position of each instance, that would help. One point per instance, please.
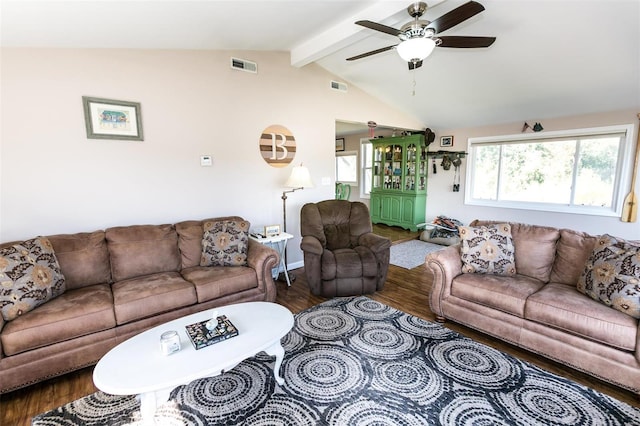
(278, 243)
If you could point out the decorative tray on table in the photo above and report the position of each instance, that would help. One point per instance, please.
(206, 333)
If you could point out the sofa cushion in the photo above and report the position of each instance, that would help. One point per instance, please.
(190, 242)
(225, 243)
(564, 307)
(534, 246)
(572, 251)
(506, 293)
(83, 258)
(190, 239)
(75, 313)
(612, 275)
(29, 276)
(212, 282)
(487, 249)
(146, 296)
(535, 249)
(140, 250)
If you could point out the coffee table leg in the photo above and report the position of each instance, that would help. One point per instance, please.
(277, 351)
(149, 403)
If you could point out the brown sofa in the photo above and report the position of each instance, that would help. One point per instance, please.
(120, 282)
(539, 308)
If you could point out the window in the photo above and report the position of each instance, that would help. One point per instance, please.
(366, 153)
(579, 171)
(347, 167)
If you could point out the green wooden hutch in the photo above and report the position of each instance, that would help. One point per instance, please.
(399, 181)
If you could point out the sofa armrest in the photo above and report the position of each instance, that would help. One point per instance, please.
(445, 265)
(375, 242)
(638, 343)
(1, 327)
(263, 259)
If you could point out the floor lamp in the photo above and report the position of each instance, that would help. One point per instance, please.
(299, 179)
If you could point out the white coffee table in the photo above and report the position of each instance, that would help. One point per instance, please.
(137, 366)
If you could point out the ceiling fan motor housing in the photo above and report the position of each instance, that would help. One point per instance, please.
(417, 28)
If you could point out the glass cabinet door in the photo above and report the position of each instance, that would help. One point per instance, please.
(393, 167)
(377, 167)
(422, 169)
(410, 172)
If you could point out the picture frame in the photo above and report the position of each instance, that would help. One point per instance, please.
(340, 144)
(446, 141)
(112, 119)
(271, 230)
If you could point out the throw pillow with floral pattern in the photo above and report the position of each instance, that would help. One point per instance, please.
(225, 243)
(612, 274)
(487, 249)
(29, 276)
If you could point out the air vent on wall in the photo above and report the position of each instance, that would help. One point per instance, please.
(336, 85)
(244, 65)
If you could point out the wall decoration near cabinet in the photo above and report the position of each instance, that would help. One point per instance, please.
(277, 146)
(446, 141)
(340, 144)
(111, 119)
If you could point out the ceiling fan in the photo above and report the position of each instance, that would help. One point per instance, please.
(419, 37)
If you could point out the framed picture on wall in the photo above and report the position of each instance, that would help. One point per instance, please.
(446, 141)
(111, 119)
(340, 144)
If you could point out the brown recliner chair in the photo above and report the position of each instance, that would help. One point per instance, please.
(342, 256)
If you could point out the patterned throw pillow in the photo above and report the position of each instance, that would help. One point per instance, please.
(612, 275)
(225, 243)
(29, 276)
(487, 249)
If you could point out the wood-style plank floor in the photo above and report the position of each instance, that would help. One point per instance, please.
(407, 290)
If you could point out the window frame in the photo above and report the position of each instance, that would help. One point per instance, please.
(621, 179)
(357, 164)
(363, 167)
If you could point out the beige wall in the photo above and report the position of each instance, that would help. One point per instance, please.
(441, 199)
(55, 180)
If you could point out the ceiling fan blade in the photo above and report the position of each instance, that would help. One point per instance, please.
(373, 52)
(379, 27)
(465, 41)
(413, 66)
(456, 16)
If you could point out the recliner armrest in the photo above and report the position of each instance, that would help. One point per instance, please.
(375, 242)
(312, 245)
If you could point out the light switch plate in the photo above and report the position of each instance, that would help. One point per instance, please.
(206, 161)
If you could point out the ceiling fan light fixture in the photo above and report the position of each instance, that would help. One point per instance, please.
(415, 49)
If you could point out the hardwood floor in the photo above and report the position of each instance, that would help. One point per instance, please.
(407, 290)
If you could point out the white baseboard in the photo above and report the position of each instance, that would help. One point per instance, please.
(295, 265)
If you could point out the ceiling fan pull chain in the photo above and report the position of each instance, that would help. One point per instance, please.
(413, 93)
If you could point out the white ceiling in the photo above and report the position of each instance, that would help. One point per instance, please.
(550, 59)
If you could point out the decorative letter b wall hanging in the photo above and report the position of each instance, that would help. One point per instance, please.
(277, 146)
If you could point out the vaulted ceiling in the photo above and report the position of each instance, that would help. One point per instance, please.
(550, 59)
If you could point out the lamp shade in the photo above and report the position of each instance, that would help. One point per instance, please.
(300, 178)
(415, 49)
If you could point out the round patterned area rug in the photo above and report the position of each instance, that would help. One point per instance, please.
(355, 361)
